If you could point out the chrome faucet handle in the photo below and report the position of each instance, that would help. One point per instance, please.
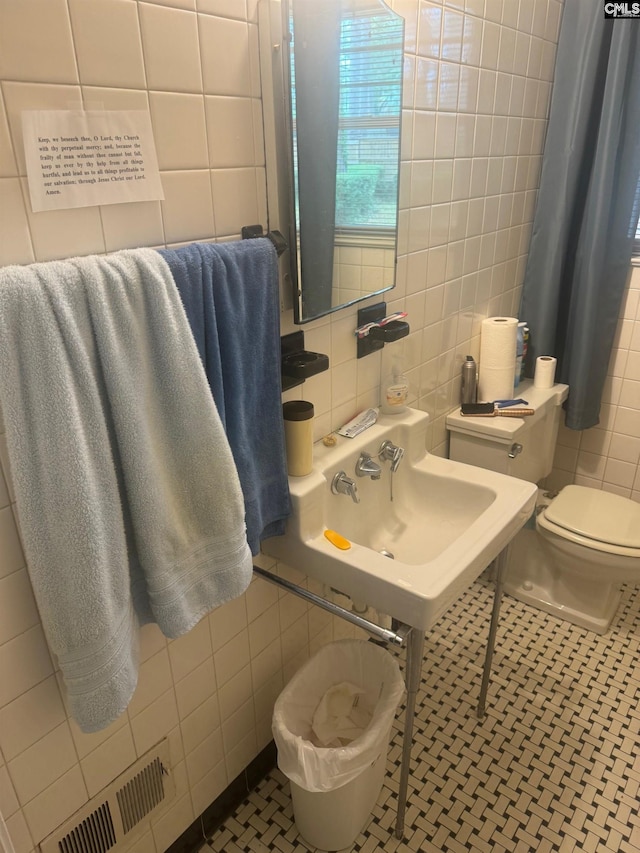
(366, 466)
(343, 485)
(390, 451)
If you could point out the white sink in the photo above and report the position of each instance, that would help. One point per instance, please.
(446, 523)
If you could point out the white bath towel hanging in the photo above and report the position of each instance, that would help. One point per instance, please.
(129, 501)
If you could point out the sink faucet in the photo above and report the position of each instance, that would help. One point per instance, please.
(367, 467)
(343, 485)
(392, 452)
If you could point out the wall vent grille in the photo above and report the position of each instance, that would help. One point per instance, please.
(111, 820)
(141, 795)
(95, 833)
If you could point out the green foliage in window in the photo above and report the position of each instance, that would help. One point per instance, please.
(355, 193)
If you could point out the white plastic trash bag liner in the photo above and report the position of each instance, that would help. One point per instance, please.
(362, 665)
(340, 717)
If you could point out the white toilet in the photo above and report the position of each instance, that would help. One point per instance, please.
(571, 559)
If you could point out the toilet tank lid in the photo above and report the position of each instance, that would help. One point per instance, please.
(503, 430)
(597, 515)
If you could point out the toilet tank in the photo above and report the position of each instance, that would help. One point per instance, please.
(520, 447)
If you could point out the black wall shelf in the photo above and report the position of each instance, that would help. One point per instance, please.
(297, 363)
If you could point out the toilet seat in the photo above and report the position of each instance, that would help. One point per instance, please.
(595, 519)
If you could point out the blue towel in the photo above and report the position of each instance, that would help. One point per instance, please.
(230, 293)
(129, 501)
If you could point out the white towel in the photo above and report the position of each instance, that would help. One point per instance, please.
(129, 501)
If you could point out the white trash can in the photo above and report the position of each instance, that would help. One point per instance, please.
(332, 726)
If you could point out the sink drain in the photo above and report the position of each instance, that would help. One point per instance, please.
(386, 553)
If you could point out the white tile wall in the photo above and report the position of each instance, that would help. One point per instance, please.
(478, 79)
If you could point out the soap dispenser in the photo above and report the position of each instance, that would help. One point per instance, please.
(394, 391)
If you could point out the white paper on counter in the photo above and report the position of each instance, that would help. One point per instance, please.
(80, 158)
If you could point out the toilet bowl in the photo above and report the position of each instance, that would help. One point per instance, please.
(572, 560)
(592, 534)
(572, 557)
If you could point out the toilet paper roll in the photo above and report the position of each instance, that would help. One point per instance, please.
(496, 370)
(545, 372)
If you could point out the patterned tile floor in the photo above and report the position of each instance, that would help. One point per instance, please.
(555, 765)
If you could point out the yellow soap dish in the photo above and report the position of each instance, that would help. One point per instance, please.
(337, 540)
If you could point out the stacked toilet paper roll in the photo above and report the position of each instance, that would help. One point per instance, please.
(496, 370)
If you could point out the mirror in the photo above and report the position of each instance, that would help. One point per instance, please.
(341, 70)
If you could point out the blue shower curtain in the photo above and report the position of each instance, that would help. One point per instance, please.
(585, 218)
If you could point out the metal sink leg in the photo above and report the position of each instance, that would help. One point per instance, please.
(501, 565)
(413, 673)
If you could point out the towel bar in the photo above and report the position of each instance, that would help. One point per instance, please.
(248, 232)
(393, 637)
